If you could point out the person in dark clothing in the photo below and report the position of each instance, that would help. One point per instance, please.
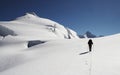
(90, 43)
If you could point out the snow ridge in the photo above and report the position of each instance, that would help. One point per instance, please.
(31, 24)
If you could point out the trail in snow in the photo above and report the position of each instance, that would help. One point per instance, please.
(84, 53)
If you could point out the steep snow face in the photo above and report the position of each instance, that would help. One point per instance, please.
(6, 31)
(33, 27)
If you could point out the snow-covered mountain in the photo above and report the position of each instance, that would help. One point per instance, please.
(37, 46)
(31, 26)
(88, 34)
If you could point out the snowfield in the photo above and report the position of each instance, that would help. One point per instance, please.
(31, 45)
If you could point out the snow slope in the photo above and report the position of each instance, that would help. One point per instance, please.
(59, 57)
(33, 27)
(62, 57)
(106, 56)
(51, 53)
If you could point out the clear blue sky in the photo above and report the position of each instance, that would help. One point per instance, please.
(101, 17)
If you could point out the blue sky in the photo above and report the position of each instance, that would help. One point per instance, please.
(101, 17)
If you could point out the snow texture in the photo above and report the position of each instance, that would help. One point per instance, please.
(51, 53)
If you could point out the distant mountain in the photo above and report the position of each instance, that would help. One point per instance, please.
(88, 34)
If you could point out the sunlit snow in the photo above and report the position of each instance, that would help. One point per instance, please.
(54, 50)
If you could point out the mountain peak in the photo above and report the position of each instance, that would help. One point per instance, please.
(27, 16)
(31, 13)
(89, 34)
